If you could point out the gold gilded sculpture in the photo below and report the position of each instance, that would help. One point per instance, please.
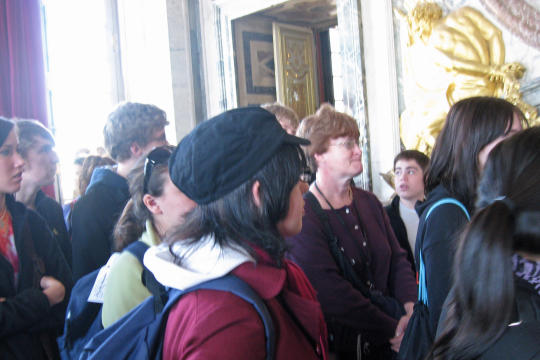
(449, 58)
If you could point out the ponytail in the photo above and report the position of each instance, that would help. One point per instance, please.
(128, 228)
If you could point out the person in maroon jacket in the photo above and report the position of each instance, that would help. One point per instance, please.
(365, 243)
(229, 166)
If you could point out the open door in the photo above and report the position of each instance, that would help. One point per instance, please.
(294, 59)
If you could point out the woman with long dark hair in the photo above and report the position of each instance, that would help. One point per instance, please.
(496, 286)
(229, 165)
(472, 128)
(156, 206)
(34, 275)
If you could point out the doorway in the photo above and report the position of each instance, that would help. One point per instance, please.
(284, 54)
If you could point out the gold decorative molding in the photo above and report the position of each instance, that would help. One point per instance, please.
(449, 58)
(295, 68)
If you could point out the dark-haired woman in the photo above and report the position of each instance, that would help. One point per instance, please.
(495, 297)
(34, 276)
(365, 239)
(472, 128)
(156, 206)
(238, 227)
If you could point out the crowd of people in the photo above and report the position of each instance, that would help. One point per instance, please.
(256, 199)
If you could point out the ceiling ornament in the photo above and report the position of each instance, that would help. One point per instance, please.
(519, 17)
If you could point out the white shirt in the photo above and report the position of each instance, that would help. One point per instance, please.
(410, 219)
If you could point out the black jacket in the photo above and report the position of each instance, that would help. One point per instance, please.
(526, 311)
(399, 229)
(518, 343)
(93, 219)
(52, 212)
(437, 240)
(26, 312)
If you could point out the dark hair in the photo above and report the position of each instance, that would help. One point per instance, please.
(90, 163)
(132, 222)
(131, 123)
(27, 131)
(470, 125)
(481, 300)
(421, 159)
(236, 220)
(6, 126)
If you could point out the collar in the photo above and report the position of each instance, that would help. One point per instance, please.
(527, 270)
(267, 280)
(108, 176)
(185, 263)
(150, 236)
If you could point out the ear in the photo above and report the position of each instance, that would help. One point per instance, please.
(136, 150)
(318, 158)
(255, 190)
(151, 204)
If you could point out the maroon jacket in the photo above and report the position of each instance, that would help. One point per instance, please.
(211, 324)
(391, 271)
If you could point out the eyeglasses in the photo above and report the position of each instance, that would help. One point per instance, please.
(158, 156)
(349, 144)
(307, 175)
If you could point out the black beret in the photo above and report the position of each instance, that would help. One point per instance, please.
(225, 151)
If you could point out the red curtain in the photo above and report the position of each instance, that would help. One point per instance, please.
(22, 73)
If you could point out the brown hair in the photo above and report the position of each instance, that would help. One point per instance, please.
(321, 127)
(283, 113)
(131, 123)
(132, 222)
(27, 131)
(89, 164)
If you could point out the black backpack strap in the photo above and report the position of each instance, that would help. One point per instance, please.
(346, 269)
(138, 249)
(156, 288)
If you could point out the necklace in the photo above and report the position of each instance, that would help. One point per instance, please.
(4, 222)
(349, 194)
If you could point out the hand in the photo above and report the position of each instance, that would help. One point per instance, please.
(409, 307)
(395, 342)
(53, 289)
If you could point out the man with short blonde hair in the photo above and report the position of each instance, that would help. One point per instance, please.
(131, 131)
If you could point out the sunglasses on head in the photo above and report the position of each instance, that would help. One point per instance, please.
(307, 175)
(158, 156)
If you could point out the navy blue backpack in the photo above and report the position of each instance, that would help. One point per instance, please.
(83, 318)
(139, 334)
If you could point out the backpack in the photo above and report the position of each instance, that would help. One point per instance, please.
(418, 337)
(83, 316)
(139, 334)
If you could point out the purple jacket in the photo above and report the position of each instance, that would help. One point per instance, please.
(390, 268)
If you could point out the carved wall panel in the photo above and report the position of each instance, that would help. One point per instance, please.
(295, 74)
